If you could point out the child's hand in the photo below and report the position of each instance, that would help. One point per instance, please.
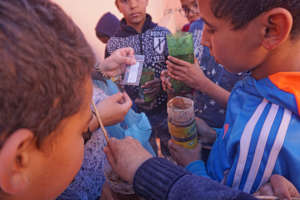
(206, 133)
(116, 63)
(184, 156)
(278, 186)
(114, 108)
(191, 74)
(152, 87)
(165, 81)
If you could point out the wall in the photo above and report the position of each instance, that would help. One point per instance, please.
(86, 14)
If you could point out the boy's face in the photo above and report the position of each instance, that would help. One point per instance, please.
(52, 168)
(237, 50)
(191, 9)
(134, 11)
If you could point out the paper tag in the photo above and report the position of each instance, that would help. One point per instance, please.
(133, 73)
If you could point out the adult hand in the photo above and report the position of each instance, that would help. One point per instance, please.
(184, 156)
(126, 156)
(114, 108)
(191, 74)
(165, 81)
(278, 186)
(116, 63)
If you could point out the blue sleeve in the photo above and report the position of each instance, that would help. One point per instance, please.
(197, 168)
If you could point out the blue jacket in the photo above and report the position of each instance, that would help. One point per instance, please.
(260, 136)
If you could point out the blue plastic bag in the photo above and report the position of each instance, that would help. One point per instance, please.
(135, 124)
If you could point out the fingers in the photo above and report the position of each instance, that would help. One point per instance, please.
(127, 101)
(283, 188)
(126, 56)
(118, 97)
(127, 51)
(153, 83)
(165, 81)
(176, 72)
(266, 190)
(177, 61)
(128, 60)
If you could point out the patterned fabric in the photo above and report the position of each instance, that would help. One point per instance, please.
(152, 44)
(207, 108)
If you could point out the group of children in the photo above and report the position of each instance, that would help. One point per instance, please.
(41, 118)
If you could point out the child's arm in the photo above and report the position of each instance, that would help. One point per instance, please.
(193, 76)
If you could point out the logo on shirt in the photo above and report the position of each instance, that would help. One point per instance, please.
(159, 44)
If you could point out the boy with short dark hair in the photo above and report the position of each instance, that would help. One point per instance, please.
(146, 38)
(106, 27)
(45, 95)
(260, 134)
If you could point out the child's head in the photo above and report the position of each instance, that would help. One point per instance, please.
(191, 9)
(134, 11)
(107, 27)
(45, 93)
(244, 35)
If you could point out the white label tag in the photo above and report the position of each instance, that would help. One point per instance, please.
(133, 73)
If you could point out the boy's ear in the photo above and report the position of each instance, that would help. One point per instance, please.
(14, 159)
(278, 24)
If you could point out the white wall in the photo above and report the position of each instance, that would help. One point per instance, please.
(86, 14)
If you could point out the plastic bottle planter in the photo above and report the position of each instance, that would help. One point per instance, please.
(181, 46)
(181, 122)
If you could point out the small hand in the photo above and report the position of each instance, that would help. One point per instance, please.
(125, 156)
(278, 186)
(152, 87)
(165, 81)
(184, 156)
(191, 74)
(116, 63)
(206, 133)
(114, 108)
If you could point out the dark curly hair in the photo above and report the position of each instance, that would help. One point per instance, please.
(45, 60)
(241, 12)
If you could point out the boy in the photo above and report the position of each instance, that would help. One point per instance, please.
(211, 82)
(106, 27)
(191, 11)
(260, 134)
(45, 92)
(45, 95)
(146, 38)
